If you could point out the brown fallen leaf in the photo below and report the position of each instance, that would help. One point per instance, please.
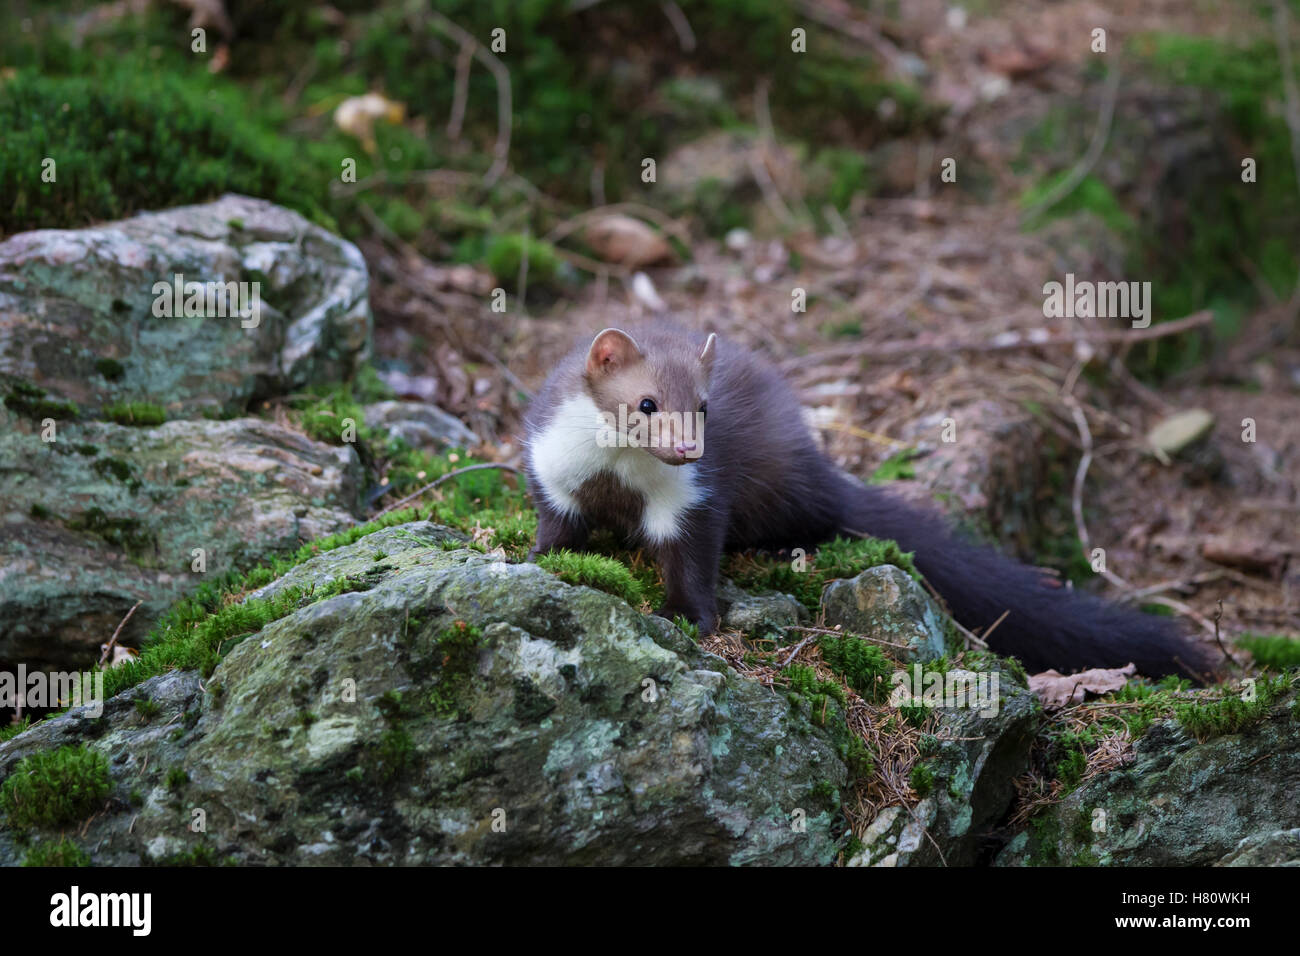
(1056, 690)
(626, 241)
(120, 654)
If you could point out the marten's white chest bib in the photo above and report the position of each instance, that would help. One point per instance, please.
(576, 446)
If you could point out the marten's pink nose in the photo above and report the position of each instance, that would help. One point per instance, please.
(684, 448)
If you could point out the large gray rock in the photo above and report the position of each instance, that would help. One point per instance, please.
(886, 604)
(108, 515)
(94, 515)
(759, 615)
(370, 727)
(420, 425)
(77, 308)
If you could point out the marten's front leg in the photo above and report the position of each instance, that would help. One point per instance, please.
(557, 530)
(689, 564)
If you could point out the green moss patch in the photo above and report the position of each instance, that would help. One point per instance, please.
(139, 414)
(63, 853)
(54, 788)
(13, 730)
(1274, 651)
(864, 666)
(33, 402)
(596, 571)
(1232, 713)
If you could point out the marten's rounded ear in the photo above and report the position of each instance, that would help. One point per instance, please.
(710, 350)
(610, 351)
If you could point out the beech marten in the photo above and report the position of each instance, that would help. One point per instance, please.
(691, 446)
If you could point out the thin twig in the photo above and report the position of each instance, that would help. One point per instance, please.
(1095, 148)
(112, 641)
(1218, 615)
(464, 60)
(681, 26)
(797, 648)
(1011, 341)
(505, 113)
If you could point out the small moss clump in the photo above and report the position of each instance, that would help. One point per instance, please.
(13, 730)
(806, 685)
(147, 708)
(596, 571)
(1071, 768)
(201, 855)
(687, 627)
(922, 780)
(1044, 840)
(864, 666)
(858, 758)
(393, 755)
(63, 853)
(127, 534)
(31, 402)
(177, 777)
(458, 648)
(54, 787)
(138, 414)
(1232, 714)
(113, 468)
(111, 369)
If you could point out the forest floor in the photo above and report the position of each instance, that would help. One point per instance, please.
(915, 305)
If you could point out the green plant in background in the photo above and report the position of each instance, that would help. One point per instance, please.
(129, 139)
(505, 254)
(13, 730)
(896, 467)
(1090, 195)
(1272, 650)
(140, 123)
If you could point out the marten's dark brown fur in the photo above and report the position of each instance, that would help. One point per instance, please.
(752, 477)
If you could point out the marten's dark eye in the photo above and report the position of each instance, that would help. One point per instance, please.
(648, 406)
(704, 409)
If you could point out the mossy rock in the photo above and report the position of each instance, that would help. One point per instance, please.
(1228, 799)
(459, 709)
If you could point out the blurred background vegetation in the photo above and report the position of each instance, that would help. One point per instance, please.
(138, 120)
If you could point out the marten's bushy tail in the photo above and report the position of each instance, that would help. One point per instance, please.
(1046, 627)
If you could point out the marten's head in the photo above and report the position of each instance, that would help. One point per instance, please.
(655, 401)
